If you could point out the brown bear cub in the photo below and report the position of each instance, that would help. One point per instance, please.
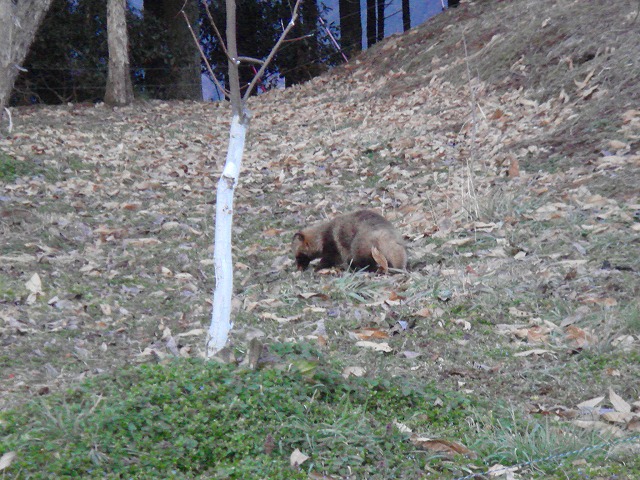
(349, 240)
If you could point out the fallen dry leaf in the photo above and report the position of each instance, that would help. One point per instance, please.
(590, 403)
(353, 371)
(297, 458)
(579, 337)
(369, 333)
(379, 347)
(401, 427)
(618, 403)
(459, 242)
(514, 312)
(528, 353)
(507, 473)
(514, 168)
(616, 417)
(442, 446)
(141, 242)
(6, 459)
(423, 312)
(605, 302)
(308, 295)
(196, 332)
(34, 284)
(272, 316)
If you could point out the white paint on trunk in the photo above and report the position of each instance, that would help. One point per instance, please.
(221, 316)
(221, 323)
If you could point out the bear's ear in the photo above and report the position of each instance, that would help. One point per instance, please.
(299, 237)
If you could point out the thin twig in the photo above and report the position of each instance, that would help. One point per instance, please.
(333, 39)
(237, 106)
(256, 78)
(224, 91)
(251, 60)
(10, 120)
(215, 29)
(299, 38)
(474, 127)
(95, 405)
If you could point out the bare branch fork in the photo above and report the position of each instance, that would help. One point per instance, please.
(241, 59)
(219, 37)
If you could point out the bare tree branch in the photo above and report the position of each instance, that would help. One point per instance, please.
(288, 40)
(232, 48)
(215, 28)
(224, 91)
(251, 60)
(258, 76)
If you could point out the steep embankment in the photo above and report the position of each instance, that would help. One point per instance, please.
(579, 56)
(555, 80)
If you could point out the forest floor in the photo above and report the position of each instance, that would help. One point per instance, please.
(503, 143)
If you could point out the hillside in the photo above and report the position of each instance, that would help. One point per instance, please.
(581, 56)
(502, 139)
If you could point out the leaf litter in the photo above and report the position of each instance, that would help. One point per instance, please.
(523, 253)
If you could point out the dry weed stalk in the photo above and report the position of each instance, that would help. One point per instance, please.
(469, 196)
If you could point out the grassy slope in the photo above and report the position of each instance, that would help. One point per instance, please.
(112, 209)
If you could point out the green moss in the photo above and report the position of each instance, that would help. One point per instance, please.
(12, 168)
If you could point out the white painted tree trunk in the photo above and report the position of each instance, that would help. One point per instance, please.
(221, 316)
(221, 323)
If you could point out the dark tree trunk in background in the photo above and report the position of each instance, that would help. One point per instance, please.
(177, 76)
(18, 26)
(187, 57)
(406, 15)
(380, 20)
(249, 39)
(371, 23)
(119, 89)
(350, 27)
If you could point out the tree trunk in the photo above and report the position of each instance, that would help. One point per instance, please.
(222, 260)
(406, 15)
(350, 27)
(186, 65)
(18, 26)
(221, 323)
(380, 20)
(119, 87)
(178, 76)
(371, 23)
